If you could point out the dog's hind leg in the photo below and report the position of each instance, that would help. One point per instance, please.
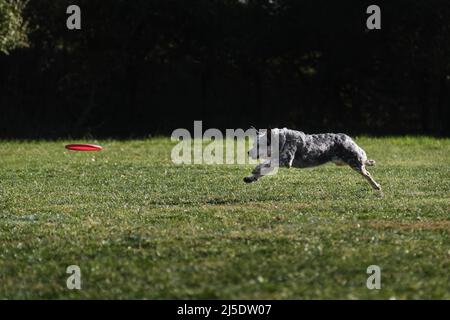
(361, 169)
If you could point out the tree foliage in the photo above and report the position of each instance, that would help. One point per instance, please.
(12, 25)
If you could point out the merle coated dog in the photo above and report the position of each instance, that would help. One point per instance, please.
(300, 150)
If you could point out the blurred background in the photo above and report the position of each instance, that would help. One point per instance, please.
(145, 67)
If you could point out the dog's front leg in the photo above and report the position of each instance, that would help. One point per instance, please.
(287, 155)
(285, 159)
(260, 170)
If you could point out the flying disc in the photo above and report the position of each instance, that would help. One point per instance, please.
(84, 147)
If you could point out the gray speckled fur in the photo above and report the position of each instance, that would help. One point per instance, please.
(309, 150)
(301, 150)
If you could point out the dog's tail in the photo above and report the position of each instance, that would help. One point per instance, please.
(370, 162)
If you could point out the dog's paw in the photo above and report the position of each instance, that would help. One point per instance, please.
(249, 179)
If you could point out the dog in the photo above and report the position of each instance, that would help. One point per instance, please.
(300, 150)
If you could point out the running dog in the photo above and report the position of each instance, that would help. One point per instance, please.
(300, 150)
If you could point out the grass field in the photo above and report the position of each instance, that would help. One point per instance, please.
(141, 227)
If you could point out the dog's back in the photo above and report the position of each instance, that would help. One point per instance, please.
(317, 149)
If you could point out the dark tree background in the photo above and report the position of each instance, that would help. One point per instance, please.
(149, 66)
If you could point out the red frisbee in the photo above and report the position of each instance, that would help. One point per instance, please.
(84, 147)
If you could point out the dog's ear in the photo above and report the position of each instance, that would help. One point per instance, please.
(257, 131)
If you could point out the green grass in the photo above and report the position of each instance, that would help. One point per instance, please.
(142, 227)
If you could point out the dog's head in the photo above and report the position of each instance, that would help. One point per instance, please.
(261, 148)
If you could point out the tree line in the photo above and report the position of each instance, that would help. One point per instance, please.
(145, 67)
